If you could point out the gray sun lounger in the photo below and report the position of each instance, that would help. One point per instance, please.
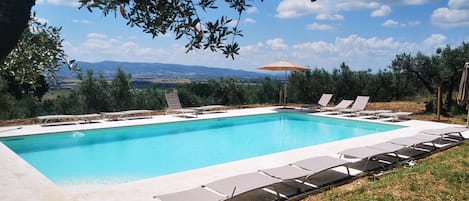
(240, 184)
(196, 194)
(304, 169)
(342, 105)
(323, 101)
(372, 153)
(358, 105)
(446, 132)
(174, 106)
(415, 140)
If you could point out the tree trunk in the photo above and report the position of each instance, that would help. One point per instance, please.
(14, 17)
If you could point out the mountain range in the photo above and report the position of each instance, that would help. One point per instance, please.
(144, 71)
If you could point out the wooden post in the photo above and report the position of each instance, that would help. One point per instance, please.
(438, 103)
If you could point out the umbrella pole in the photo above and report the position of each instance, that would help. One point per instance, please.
(285, 91)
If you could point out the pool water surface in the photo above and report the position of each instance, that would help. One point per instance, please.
(125, 154)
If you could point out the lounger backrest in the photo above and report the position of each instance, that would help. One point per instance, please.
(173, 101)
(324, 100)
(344, 104)
(360, 102)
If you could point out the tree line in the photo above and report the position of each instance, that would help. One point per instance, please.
(407, 77)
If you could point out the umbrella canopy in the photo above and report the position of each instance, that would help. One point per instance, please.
(463, 94)
(284, 66)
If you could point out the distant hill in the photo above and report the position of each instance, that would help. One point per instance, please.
(144, 71)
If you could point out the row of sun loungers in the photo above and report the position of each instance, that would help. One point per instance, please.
(357, 108)
(174, 106)
(305, 175)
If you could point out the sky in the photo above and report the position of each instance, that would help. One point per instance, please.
(365, 34)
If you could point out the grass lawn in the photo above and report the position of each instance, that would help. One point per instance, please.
(442, 176)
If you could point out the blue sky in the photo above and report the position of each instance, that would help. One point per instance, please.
(365, 34)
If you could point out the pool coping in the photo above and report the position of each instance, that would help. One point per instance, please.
(20, 181)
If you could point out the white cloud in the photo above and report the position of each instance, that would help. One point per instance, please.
(457, 15)
(100, 47)
(329, 17)
(82, 21)
(252, 9)
(393, 23)
(458, 4)
(297, 8)
(382, 11)
(320, 27)
(415, 2)
(39, 1)
(357, 5)
(250, 20)
(390, 23)
(73, 3)
(435, 41)
(276, 44)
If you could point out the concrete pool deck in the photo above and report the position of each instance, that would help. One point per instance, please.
(20, 181)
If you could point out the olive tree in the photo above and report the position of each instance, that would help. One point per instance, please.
(36, 58)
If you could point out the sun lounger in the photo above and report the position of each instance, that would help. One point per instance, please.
(174, 105)
(415, 140)
(447, 132)
(358, 105)
(323, 101)
(87, 118)
(203, 109)
(307, 168)
(44, 120)
(240, 184)
(372, 114)
(372, 153)
(342, 105)
(128, 114)
(196, 194)
(396, 116)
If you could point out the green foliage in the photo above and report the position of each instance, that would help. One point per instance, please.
(35, 59)
(185, 18)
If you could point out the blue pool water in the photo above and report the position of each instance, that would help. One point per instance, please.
(131, 153)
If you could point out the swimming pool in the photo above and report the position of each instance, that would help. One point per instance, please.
(124, 154)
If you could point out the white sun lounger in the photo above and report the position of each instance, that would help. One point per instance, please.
(342, 105)
(207, 108)
(446, 132)
(196, 194)
(394, 115)
(372, 153)
(174, 105)
(46, 118)
(323, 101)
(87, 118)
(358, 105)
(127, 114)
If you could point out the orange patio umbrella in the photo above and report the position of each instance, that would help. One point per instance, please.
(284, 66)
